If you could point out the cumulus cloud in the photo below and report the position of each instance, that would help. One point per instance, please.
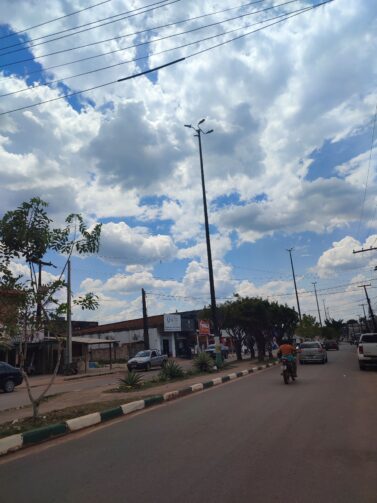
(121, 243)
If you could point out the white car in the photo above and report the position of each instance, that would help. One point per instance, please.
(367, 350)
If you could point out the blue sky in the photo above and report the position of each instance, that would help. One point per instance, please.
(289, 163)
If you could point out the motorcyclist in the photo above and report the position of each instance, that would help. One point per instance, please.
(287, 351)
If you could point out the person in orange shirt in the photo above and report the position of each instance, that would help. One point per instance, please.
(287, 352)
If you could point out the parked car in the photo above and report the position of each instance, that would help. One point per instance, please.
(147, 359)
(312, 351)
(331, 344)
(211, 350)
(367, 350)
(9, 377)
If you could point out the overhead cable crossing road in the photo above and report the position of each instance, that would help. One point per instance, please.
(171, 63)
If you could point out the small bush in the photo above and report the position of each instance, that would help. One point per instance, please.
(171, 371)
(203, 362)
(131, 380)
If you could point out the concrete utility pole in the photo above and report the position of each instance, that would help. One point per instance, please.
(365, 316)
(316, 298)
(216, 330)
(370, 306)
(69, 315)
(294, 282)
(145, 320)
(324, 308)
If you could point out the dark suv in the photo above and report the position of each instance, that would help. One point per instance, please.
(9, 377)
(331, 345)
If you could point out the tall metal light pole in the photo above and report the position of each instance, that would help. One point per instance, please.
(294, 281)
(216, 331)
(316, 298)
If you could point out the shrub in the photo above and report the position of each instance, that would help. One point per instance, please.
(131, 380)
(203, 362)
(171, 370)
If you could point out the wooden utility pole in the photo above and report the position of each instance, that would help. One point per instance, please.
(145, 320)
(370, 306)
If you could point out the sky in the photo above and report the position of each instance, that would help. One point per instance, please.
(291, 162)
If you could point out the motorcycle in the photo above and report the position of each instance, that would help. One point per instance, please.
(287, 370)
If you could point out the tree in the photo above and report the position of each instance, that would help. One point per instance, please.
(26, 236)
(309, 328)
(253, 320)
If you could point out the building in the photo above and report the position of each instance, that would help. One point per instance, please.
(173, 334)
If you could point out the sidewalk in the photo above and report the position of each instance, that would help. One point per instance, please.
(99, 394)
(43, 380)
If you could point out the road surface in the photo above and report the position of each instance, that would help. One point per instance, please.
(251, 440)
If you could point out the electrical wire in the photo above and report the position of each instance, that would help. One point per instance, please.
(53, 20)
(120, 36)
(63, 79)
(367, 179)
(26, 107)
(152, 29)
(133, 14)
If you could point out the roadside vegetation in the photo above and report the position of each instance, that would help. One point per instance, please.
(29, 307)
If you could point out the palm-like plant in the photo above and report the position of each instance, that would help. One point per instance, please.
(203, 362)
(131, 380)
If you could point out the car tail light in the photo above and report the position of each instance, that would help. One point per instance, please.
(361, 349)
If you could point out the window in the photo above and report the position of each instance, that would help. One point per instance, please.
(310, 345)
(153, 353)
(369, 338)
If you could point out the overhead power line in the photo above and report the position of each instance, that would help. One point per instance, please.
(45, 69)
(368, 171)
(63, 79)
(130, 14)
(171, 63)
(53, 20)
(69, 29)
(91, 44)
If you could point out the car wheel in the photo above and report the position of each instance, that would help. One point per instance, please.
(147, 366)
(361, 366)
(8, 386)
(301, 362)
(129, 368)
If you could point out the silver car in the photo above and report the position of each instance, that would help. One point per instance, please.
(312, 351)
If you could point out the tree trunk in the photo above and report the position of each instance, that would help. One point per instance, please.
(238, 345)
(261, 351)
(35, 402)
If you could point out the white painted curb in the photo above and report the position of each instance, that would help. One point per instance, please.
(170, 395)
(197, 387)
(11, 443)
(216, 381)
(131, 407)
(245, 372)
(84, 421)
(232, 376)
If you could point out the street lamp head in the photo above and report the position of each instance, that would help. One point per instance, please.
(188, 125)
(201, 122)
(210, 131)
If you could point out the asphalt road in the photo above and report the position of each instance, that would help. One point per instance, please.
(251, 440)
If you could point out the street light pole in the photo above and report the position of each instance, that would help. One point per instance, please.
(294, 281)
(216, 331)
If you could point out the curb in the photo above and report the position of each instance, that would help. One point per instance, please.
(32, 437)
